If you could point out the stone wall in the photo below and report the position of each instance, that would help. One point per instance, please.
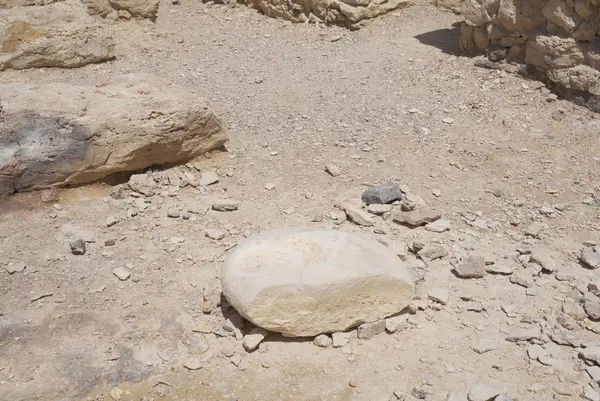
(558, 40)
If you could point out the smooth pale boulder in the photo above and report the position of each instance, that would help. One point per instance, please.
(61, 134)
(309, 281)
(60, 35)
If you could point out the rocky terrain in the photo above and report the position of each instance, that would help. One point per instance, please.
(112, 291)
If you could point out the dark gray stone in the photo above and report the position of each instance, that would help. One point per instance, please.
(77, 247)
(382, 194)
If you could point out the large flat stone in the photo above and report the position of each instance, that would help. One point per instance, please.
(305, 281)
(58, 35)
(59, 134)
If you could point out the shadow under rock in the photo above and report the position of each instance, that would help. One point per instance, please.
(245, 326)
(445, 39)
(279, 338)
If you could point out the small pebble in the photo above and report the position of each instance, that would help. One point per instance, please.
(333, 170)
(440, 295)
(214, 234)
(173, 213)
(253, 339)
(15, 267)
(533, 230)
(121, 273)
(209, 178)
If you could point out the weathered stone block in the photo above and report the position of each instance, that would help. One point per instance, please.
(59, 134)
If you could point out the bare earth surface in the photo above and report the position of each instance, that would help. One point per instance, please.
(388, 103)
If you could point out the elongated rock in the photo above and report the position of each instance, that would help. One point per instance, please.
(417, 217)
(543, 258)
(382, 194)
(308, 281)
(357, 215)
(60, 134)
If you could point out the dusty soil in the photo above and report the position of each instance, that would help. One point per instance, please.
(297, 97)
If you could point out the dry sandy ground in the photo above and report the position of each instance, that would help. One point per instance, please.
(297, 97)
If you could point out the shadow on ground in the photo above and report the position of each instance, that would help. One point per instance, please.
(445, 39)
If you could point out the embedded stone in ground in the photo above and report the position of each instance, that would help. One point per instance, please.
(308, 281)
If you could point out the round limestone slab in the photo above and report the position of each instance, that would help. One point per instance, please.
(308, 281)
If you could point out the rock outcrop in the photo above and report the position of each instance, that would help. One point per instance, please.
(558, 40)
(57, 35)
(111, 9)
(306, 281)
(24, 3)
(349, 13)
(59, 134)
(125, 9)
